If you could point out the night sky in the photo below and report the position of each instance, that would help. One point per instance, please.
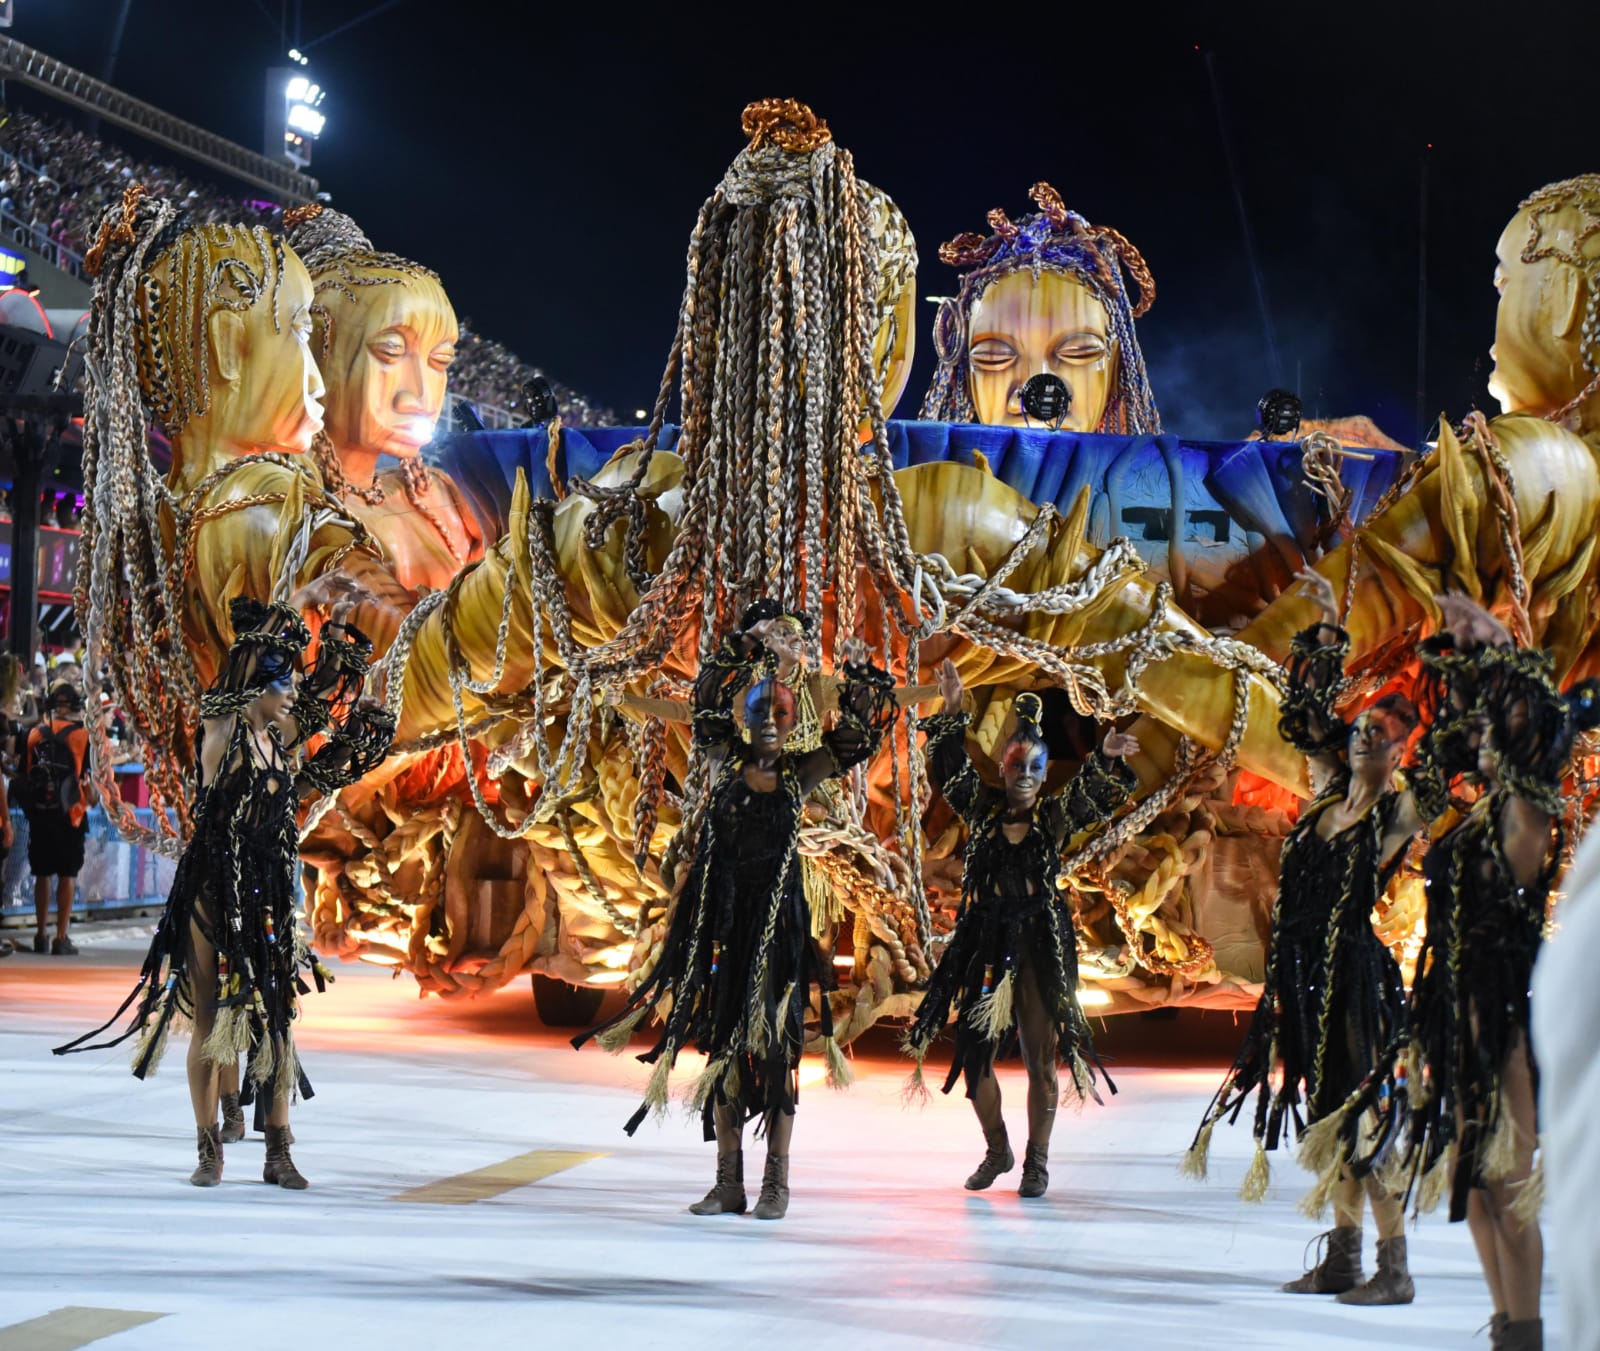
(550, 168)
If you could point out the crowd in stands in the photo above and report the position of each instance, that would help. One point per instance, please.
(58, 179)
(55, 180)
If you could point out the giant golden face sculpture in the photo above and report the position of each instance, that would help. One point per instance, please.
(1046, 295)
(1024, 326)
(389, 346)
(224, 326)
(1547, 270)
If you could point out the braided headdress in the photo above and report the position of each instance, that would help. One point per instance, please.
(1054, 240)
(268, 641)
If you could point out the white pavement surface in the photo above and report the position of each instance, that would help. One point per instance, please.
(882, 1248)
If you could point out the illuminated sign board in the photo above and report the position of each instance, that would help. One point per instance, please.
(58, 560)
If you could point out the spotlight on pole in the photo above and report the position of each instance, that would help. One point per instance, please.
(1278, 414)
(294, 119)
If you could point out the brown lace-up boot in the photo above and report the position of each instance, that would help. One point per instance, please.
(279, 1168)
(997, 1159)
(232, 1120)
(1339, 1269)
(208, 1173)
(1391, 1283)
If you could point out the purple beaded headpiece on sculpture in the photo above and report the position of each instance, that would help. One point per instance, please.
(1054, 240)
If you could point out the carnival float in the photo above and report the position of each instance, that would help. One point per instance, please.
(541, 599)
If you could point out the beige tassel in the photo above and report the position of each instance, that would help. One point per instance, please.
(1254, 1186)
(730, 1087)
(760, 1031)
(840, 1075)
(1197, 1157)
(993, 1014)
(288, 1064)
(1083, 1082)
(265, 1062)
(1435, 1182)
(1500, 1156)
(915, 1092)
(144, 1043)
(1314, 1204)
(657, 1093)
(615, 1038)
(1530, 1197)
(229, 1039)
(1321, 1147)
(706, 1084)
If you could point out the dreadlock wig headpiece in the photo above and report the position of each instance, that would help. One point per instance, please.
(1028, 709)
(268, 642)
(1054, 240)
(1511, 693)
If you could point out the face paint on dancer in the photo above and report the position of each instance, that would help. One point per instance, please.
(770, 716)
(1022, 766)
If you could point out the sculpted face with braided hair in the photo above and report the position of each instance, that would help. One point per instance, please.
(1010, 971)
(1047, 295)
(226, 954)
(384, 336)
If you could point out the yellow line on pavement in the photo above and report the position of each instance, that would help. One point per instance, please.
(69, 1328)
(495, 1180)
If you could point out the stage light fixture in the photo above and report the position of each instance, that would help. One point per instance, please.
(1278, 413)
(306, 119)
(1046, 398)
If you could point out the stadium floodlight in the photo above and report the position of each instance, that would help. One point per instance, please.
(297, 56)
(306, 119)
(293, 119)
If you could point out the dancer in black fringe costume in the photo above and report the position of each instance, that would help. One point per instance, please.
(1010, 971)
(1333, 1000)
(738, 961)
(1457, 1095)
(226, 955)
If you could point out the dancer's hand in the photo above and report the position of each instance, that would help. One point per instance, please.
(1469, 623)
(1319, 591)
(950, 686)
(1119, 745)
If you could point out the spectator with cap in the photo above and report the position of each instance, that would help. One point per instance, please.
(55, 793)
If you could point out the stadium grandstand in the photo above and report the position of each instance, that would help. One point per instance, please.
(57, 178)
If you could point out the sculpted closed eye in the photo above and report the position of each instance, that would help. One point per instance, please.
(992, 354)
(388, 349)
(443, 358)
(1081, 350)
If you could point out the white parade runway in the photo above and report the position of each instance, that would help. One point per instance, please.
(882, 1249)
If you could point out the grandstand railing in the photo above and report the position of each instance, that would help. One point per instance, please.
(21, 62)
(66, 259)
(492, 416)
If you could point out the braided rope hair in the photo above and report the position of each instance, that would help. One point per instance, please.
(1052, 240)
